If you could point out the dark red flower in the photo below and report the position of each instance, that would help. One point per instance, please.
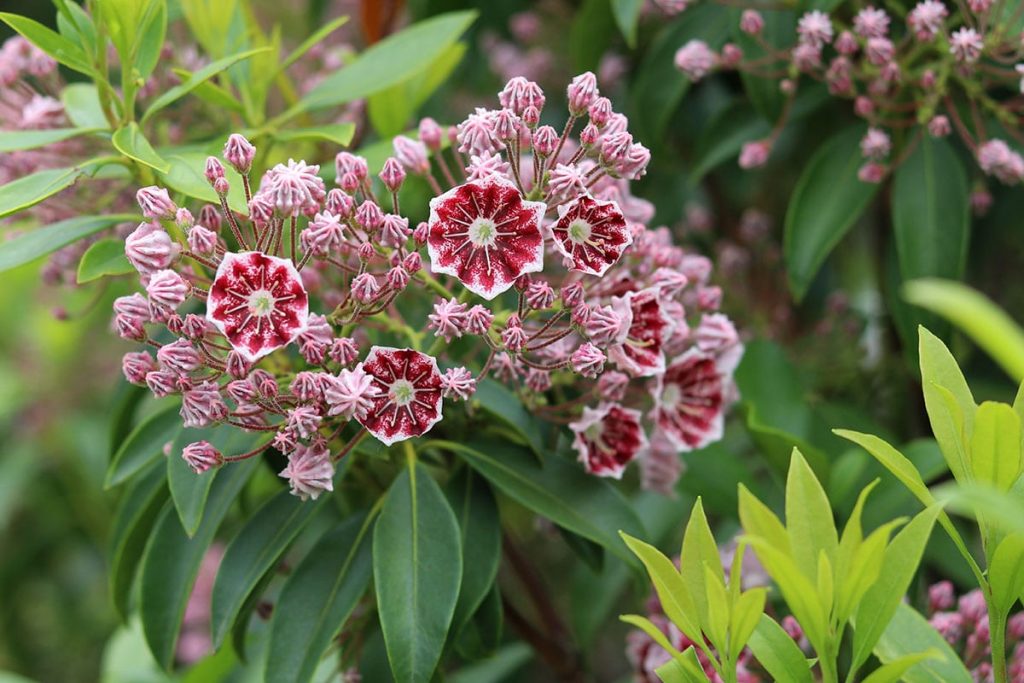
(638, 349)
(407, 401)
(608, 438)
(591, 234)
(486, 235)
(258, 303)
(689, 400)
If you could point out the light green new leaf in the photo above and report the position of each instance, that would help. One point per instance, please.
(144, 445)
(49, 41)
(1002, 509)
(996, 445)
(864, 570)
(171, 562)
(1006, 572)
(338, 133)
(656, 634)
(29, 190)
(686, 669)
(387, 63)
(391, 110)
(417, 570)
(195, 80)
(14, 140)
(716, 626)
(760, 522)
(82, 105)
(894, 670)
(746, 614)
(104, 257)
(827, 201)
(699, 551)
(892, 460)
(778, 653)
(809, 522)
(317, 599)
(939, 370)
(909, 633)
(675, 596)
(38, 242)
(130, 141)
(984, 322)
(150, 42)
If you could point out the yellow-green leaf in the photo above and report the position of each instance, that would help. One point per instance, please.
(130, 141)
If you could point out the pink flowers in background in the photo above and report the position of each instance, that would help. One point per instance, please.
(536, 257)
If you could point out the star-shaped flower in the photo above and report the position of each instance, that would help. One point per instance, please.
(608, 438)
(591, 234)
(689, 400)
(407, 401)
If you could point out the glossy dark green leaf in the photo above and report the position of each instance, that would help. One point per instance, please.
(388, 62)
(481, 635)
(41, 241)
(417, 570)
(724, 137)
(559, 490)
(171, 562)
(627, 16)
(49, 41)
(317, 599)
(592, 29)
(143, 445)
(476, 511)
(130, 141)
(931, 212)
(827, 201)
(11, 141)
(31, 189)
(195, 80)
(136, 513)
(102, 258)
(506, 407)
(253, 552)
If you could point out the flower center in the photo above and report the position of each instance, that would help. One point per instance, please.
(483, 232)
(402, 393)
(261, 302)
(671, 396)
(579, 231)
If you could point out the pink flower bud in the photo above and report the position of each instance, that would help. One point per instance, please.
(928, 79)
(520, 94)
(792, 628)
(863, 106)
(304, 421)
(751, 22)
(539, 295)
(394, 230)
(155, 202)
(134, 305)
(202, 241)
(612, 385)
(531, 116)
(604, 325)
(344, 350)
(571, 294)
(239, 152)
(166, 289)
(538, 380)
(449, 319)
(221, 185)
(458, 383)
(871, 172)
(695, 59)
(421, 233)
(938, 126)
(599, 111)
(709, 298)
(411, 154)
(545, 139)
(346, 162)
(366, 252)
(306, 387)
(369, 216)
(365, 288)
(149, 248)
(339, 203)
(214, 170)
(588, 360)
(397, 278)
(507, 125)
(478, 320)
(582, 92)
(183, 218)
(941, 596)
(237, 365)
(309, 471)
(412, 263)
(589, 136)
(201, 456)
(430, 133)
(136, 365)
(514, 336)
(202, 405)
(264, 383)
(732, 55)
(130, 328)
(179, 357)
(161, 383)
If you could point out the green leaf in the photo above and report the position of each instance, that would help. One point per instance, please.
(676, 672)
(656, 634)
(151, 39)
(498, 667)
(951, 421)
(558, 490)
(724, 137)
(50, 42)
(996, 445)
(501, 404)
(482, 633)
(317, 599)
(338, 133)
(417, 569)
(699, 551)
(143, 446)
(776, 651)
(984, 322)
(894, 670)
(809, 522)
(476, 512)
(900, 562)
(673, 592)
(759, 521)
(764, 93)
(186, 176)
(253, 552)
(130, 141)
(77, 26)
(746, 615)
(659, 87)
(627, 16)
(38, 242)
(194, 81)
(931, 212)
(892, 460)
(313, 40)
(171, 562)
(136, 513)
(391, 109)
(388, 62)
(827, 201)
(104, 257)
(1006, 572)
(29, 190)
(14, 140)
(591, 30)
(82, 105)
(910, 633)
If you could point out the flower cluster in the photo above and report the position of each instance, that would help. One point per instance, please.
(963, 622)
(943, 70)
(543, 272)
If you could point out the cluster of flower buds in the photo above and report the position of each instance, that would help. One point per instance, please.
(940, 64)
(963, 622)
(535, 251)
(646, 655)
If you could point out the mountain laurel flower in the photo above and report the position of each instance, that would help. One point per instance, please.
(202, 405)
(875, 144)
(608, 438)
(755, 154)
(815, 28)
(392, 174)
(351, 394)
(412, 154)
(155, 203)
(588, 360)
(966, 44)
(997, 159)
(136, 365)
(690, 401)
(240, 153)
(167, 290)
(407, 398)
(926, 19)
(149, 248)
(201, 456)
(449, 319)
(458, 383)
(309, 471)
(581, 93)
(179, 357)
(695, 59)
